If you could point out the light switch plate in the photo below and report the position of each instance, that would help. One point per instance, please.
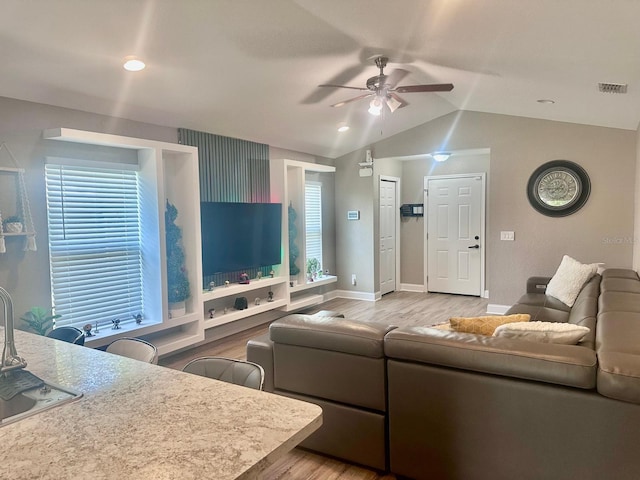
(509, 236)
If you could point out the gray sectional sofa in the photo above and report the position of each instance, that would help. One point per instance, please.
(425, 403)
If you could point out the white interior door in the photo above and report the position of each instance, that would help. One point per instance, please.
(388, 212)
(455, 234)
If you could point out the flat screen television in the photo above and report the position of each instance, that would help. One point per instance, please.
(239, 236)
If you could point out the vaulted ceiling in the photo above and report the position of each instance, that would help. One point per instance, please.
(251, 68)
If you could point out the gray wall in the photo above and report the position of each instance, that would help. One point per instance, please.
(26, 274)
(412, 228)
(599, 232)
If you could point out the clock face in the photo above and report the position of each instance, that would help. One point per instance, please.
(558, 188)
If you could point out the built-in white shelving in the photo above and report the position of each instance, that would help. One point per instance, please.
(287, 186)
(167, 171)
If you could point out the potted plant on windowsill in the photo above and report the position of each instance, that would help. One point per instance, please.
(12, 224)
(313, 267)
(177, 281)
(39, 320)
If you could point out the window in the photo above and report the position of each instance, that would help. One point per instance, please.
(93, 215)
(313, 221)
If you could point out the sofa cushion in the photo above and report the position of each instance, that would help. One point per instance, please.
(618, 351)
(544, 332)
(330, 333)
(484, 325)
(570, 365)
(566, 283)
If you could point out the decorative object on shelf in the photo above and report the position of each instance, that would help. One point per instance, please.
(294, 251)
(244, 279)
(212, 285)
(12, 224)
(116, 324)
(291, 284)
(23, 207)
(177, 281)
(270, 296)
(212, 312)
(137, 318)
(241, 303)
(272, 273)
(558, 188)
(95, 330)
(87, 330)
(313, 267)
(259, 275)
(257, 301)
(226, 283)
(39, 320)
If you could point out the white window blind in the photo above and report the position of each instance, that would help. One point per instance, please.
(313, 221)
(94, 243)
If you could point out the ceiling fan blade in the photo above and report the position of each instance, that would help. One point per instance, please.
(342, 86)
(394, 77)
(359, 97)
(436, 87)
(398, 98)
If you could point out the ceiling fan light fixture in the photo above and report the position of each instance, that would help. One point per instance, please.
(441, 156)
(392, 103)
(375, 107)
(133, 64)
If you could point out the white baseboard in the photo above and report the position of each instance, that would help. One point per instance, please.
(411, 287)
(350, 294)
(494, 309)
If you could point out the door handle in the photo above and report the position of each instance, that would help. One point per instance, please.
(475, 246)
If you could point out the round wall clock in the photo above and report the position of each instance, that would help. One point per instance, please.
(558, 188)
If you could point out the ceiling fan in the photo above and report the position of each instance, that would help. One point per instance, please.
(384, 89)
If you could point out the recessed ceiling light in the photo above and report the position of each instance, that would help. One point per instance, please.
(546, 101)
(133, 64)
(343, 128)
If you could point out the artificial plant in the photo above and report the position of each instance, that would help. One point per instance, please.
(39, 320)
(177, 281)
(294, 252)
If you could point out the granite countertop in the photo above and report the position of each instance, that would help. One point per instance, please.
(142, 421)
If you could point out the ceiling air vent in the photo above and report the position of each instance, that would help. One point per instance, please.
(612, 87)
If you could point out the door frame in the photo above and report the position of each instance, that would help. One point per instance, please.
(396, 180)
(483, 221)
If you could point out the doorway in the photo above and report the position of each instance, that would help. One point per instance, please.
(388, 193)
(454, 233)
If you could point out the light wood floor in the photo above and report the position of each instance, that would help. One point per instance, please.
(397, 308)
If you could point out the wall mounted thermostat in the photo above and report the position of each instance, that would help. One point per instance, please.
(353, 215)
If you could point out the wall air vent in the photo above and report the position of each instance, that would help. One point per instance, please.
(612, 87)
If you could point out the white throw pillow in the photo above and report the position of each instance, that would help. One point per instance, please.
(545, 332)
(569, 279)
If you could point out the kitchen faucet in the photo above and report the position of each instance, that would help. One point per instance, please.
(10, 358)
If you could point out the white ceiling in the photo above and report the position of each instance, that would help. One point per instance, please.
(250, 68)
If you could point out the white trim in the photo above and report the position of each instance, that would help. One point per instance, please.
(483, 221)
(495, 309)
(351, 295)
(412, 287)
(397, 181)
(85, 162)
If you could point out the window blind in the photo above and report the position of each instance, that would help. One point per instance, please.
(313, 220)
(94, 243)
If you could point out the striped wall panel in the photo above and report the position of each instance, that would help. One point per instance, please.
(231, 170)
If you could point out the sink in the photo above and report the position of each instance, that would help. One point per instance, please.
(33, 401)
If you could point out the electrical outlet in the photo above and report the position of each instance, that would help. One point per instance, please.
(353, 279)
